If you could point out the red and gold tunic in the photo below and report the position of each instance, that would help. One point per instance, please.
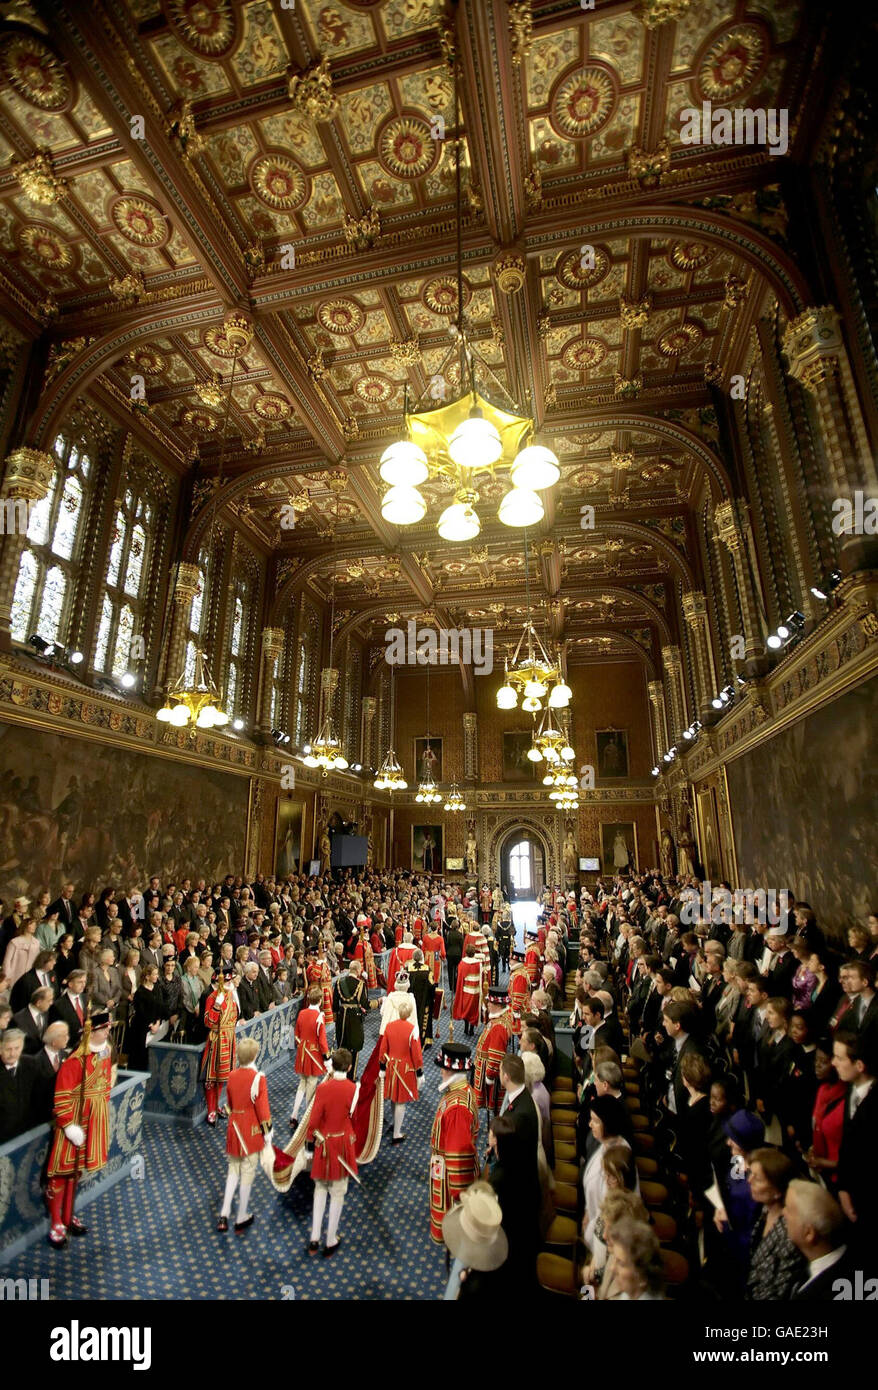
(364, 952)
(480, 941)
(400, 959)
(433, 946)
(312, 1048)
(519, 996)
(532, 959)
(418, 928)
(454, 1164)
(87, 1106)
(400, 1052)
(245, 1134)
(468, 990)
(221, 1017)
(331, 1130)
(490, 1051)
(319, 973)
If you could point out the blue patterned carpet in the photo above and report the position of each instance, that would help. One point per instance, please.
(155, 1238)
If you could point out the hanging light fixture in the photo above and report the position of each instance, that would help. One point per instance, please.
(531, 674)
(326, 750)
(390, 777)
(428, 793)
(468, 436)
(196, 700)
(455, 800)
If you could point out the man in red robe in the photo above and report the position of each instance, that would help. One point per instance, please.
(433, 946)
(454, 1163)
(248, 1132)
(331, 1131)
(471, 984)
(364, 951)
(400, 958)
(491, 1049)
(82, 1126)
(319, 973)
(519, 990)
(402, 1064)
(312, 1050)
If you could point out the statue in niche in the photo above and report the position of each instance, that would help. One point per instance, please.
(571, 859)
(471, 853)
(324, 847)
(666, 851)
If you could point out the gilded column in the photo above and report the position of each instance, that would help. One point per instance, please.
(673, 663)
(695, 613)
(186, 587)
(272, 646)
(369, 706)
(26, 481)
(660, 738)
(732, 526)
(470, 746)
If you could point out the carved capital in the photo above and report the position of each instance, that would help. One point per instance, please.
(188, 583)
(28, 474)
(811, 339)
(671, 657)
(694, 607)
(272, 642)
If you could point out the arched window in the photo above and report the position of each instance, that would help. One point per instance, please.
(50, 558)
(120, 643)
(520, 866)
(304, 702)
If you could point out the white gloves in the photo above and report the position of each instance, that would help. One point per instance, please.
(76, 1135)
(420, 1081)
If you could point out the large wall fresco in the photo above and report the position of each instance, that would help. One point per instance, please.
(101, 815)
(804, 809)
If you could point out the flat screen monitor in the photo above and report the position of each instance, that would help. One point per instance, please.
(349, 851)
(313, 868)
(590, 866)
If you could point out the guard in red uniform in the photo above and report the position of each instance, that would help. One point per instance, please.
(454, 1164)
(471, 978)
(402, 1064)
(533, 957)
(312, 1050)
(519, 991)
(218, 1058)
(248, 1132)
(82, 1126)
(476, 937)
(364, 951)
(433, 946)
(319, 973)
(331, 1131)
(491, 1049)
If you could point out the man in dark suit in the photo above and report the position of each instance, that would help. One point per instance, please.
(248, 996)
(815, 1225)
(607, 1028)
(516, 1178)
(264, 991)
(46, 1064)
(856, 1063)
(680, 1022)
(42, 974)
(857, 978)
(64, 908)
(17, 1077)
(33, 1020)
(72, 1007)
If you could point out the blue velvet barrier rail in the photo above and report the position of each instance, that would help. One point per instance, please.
(174, 1090)
(23, 1217)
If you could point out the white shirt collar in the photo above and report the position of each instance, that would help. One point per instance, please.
(817, 1266)
(513, 1095)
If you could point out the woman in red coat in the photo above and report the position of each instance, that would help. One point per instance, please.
(402, 1064)
(331, 1131)
(248, 1132)
(827, 1118)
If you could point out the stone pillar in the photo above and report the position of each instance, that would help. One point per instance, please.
(185, 589)
(369, 706)
(673, 663)
(27, 478)
(695, 613)
(660, 738)
(732, 526)
(470, 746)
(272, 646)
(818, 358)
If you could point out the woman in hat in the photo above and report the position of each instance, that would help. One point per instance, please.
(474, 1235)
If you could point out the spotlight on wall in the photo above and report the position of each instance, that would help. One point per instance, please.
(826, 586)
(75, 658)
(655, 772)
(238, 724)
(128, 680)
(39, 644)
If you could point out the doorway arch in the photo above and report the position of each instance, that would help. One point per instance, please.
(522, 863)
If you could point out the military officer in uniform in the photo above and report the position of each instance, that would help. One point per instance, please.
(491, 1049)
(519, 991)
(350, 1003)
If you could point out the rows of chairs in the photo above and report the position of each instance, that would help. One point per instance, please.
(662, 1187)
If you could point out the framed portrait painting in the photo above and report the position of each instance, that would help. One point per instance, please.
(428, 758)
(618, 847)
(516, 765)
(288, 837)
(427, 849)
(612, 750)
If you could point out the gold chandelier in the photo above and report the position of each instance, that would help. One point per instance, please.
(455, 800)
(390, 776)
(428, 793)
(465, 439)
(531, 674)
(196, 700)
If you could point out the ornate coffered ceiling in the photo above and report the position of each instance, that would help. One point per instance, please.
(298, 163)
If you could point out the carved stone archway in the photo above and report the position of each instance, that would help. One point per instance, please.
(514, 823)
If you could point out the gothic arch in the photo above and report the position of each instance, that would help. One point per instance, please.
(512, 825)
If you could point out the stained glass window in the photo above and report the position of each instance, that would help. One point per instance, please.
(50, 561)
(306, 673)
(127, 582)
